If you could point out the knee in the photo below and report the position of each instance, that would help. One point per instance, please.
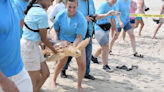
(82, 65)
(105, 47)
(47, 74)
(142, 24)
(132, 37)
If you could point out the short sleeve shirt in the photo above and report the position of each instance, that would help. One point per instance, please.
(124, 8)
(10, 58)
(70, 27)
(103, 9)
(35, 19)
(21, 7)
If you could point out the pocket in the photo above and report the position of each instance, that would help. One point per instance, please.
(28, 47)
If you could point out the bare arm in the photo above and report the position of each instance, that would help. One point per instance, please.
(134, 6)
(77, 40)
(141, 6)
(6, 84)
(162, 8)
(113, 24)
(22, 23)
(101, 16)
(56, 34)
(43, 34)
(52, 20)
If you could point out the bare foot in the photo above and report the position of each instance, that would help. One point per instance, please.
(154, 38)
(70, 68)
(139, 34)
(80, 89)
(53, 84)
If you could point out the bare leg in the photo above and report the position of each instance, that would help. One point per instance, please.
(123, 35)
(112, 42)
(104, 53)
(58, 68)
(112, 31)
(141, 27)
(132, 39)
(156, 30)
(97, 53)
(81, 62)
(137, 23)
(35, 78)
(44, 74)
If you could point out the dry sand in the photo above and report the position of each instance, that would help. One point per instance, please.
(149, 77)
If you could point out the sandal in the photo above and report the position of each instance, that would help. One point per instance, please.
(138, 55)
(110, 53)
(123, 67)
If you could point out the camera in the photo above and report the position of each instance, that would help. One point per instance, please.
(94, 17)
(147, 9)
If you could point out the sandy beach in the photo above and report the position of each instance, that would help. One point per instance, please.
(149, 77)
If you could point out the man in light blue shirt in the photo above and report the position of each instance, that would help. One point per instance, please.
(21, 5)
(86, 7)
(13, 76)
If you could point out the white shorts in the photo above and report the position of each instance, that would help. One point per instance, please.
(31, 55)
(22, 80)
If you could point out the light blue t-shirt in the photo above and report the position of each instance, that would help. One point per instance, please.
(124, 8)
(83, 8)
(10, 57)
(103, 9)
(70, 27)
(35, 19)
(21, 6)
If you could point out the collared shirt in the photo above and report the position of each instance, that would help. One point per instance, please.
(35, 19)
(10, 58)
(70, 27)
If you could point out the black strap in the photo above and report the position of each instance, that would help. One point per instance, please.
(30, 28)
(88, 22)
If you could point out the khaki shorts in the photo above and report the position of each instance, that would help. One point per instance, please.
(22, 80)
(31, 55)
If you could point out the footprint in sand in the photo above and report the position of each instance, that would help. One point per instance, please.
(128, 88)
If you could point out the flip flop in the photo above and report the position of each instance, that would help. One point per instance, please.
(138, 55)
(110, 53)
(123, 67)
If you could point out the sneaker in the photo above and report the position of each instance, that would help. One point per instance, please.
(95, 60)
(63, 74)
(156, 20)
(107, 68)
(89, 77)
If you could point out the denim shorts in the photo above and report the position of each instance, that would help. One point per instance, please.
(102, 37)
(132, 21)
(126, 27)
(138, 18)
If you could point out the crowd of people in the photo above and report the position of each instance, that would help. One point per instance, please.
(24, 26)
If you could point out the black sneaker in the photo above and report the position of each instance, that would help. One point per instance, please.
(156, 20)
(63, 74)
(95, 60)
(146, 9)
(89, 77)
(107, 68)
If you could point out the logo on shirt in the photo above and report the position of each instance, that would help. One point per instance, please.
(12, 4)
(75, 25)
